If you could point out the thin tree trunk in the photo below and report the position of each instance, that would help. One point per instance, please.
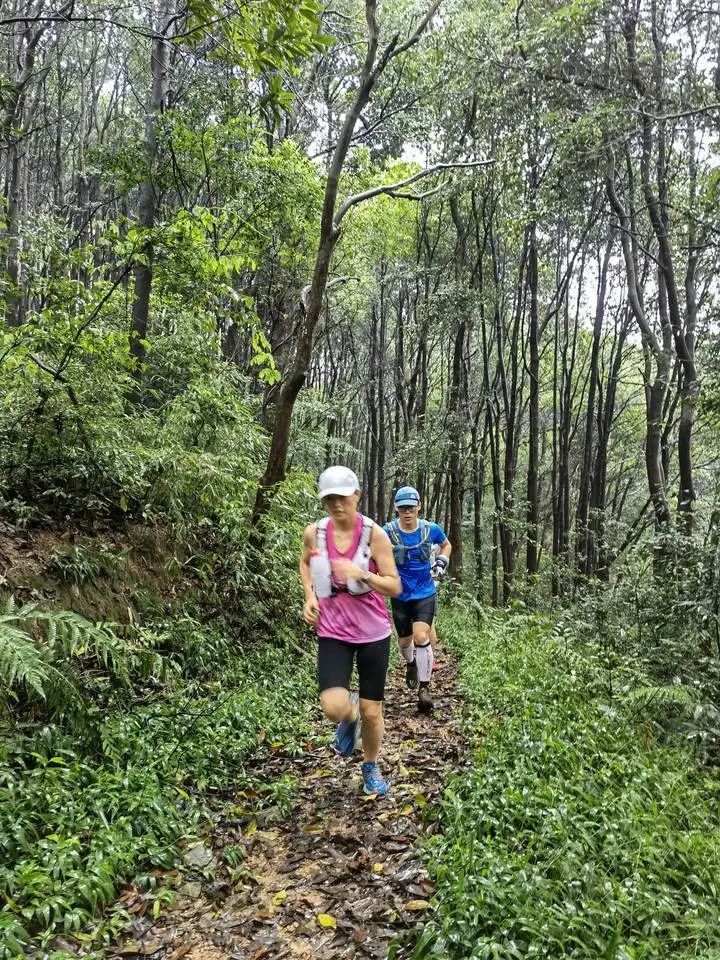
(583, 561)
(329, 233)
(148, 203)
(533, 507)
(381, 439)
(371, 456)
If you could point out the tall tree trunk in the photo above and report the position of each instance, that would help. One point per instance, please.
(455, 460)
(19, 104)
(371, 456)
(583, 560)
(690, 387)
(455, 411)
(381, 438)
(657, 352)
(478, 446)
(14, 299)
(533, 507)
(329, 233)
(148, 203)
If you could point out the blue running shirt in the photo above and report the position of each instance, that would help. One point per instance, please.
(415, 575)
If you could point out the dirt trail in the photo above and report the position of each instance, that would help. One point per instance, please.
(339, 878)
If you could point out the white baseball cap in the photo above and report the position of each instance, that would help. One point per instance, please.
(337, 481)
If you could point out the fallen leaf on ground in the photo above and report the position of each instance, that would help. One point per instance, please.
(417, 905)
(199, 855)
(142, 949)
(181, 951)
(326, 920)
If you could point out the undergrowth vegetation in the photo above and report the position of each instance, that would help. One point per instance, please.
(84, 807)
(118, 740)
(577, 832)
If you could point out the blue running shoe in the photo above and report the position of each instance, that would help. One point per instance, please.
(373, 780)
(347, 733)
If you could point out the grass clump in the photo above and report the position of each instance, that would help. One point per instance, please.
(574, 834)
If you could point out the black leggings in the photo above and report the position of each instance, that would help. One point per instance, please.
(335, 662)
(407, 612)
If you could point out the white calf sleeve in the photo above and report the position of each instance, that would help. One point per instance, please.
(424, 659)
(408, 652)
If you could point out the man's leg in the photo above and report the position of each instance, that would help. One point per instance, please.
(425, 612)
(372, 665)
(402, 620)
(334, 667)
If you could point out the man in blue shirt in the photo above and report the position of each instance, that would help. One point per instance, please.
(413, 611)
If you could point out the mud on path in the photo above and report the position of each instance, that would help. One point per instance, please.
(340, 877)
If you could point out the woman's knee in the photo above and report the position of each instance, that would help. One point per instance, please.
(371, 711)
(335, 703)
(421, 633)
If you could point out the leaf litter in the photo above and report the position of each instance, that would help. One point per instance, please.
(341, 876)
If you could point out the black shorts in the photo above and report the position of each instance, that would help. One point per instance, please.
(407, 612)
(335, 662)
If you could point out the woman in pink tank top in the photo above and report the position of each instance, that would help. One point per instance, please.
(346, 568)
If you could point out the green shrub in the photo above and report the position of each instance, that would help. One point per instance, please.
(83, 562)
(574, 834)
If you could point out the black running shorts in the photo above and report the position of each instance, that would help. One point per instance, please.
(335, 663)
(407, 612)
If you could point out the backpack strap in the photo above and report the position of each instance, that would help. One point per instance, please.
(321, 534)
(366, 535)
(392, 531)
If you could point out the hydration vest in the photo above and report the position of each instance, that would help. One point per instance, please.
(321, 569)
(401, 551)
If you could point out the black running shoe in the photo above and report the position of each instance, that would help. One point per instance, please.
(411, 678)
(425, 703)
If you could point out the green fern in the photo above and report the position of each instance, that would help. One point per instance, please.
(665, 694)
(38, 648)
(26, 664)
(21, 660)
(71, 636)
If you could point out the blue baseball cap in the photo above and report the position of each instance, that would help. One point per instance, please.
(407, 497)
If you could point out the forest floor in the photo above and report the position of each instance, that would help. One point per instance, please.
(340, 876)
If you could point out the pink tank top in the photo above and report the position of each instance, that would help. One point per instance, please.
(353, 619)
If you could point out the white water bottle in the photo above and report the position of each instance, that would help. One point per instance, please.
(321, 574)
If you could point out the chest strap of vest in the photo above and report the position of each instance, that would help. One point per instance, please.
(365, 536)
(393, 530)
